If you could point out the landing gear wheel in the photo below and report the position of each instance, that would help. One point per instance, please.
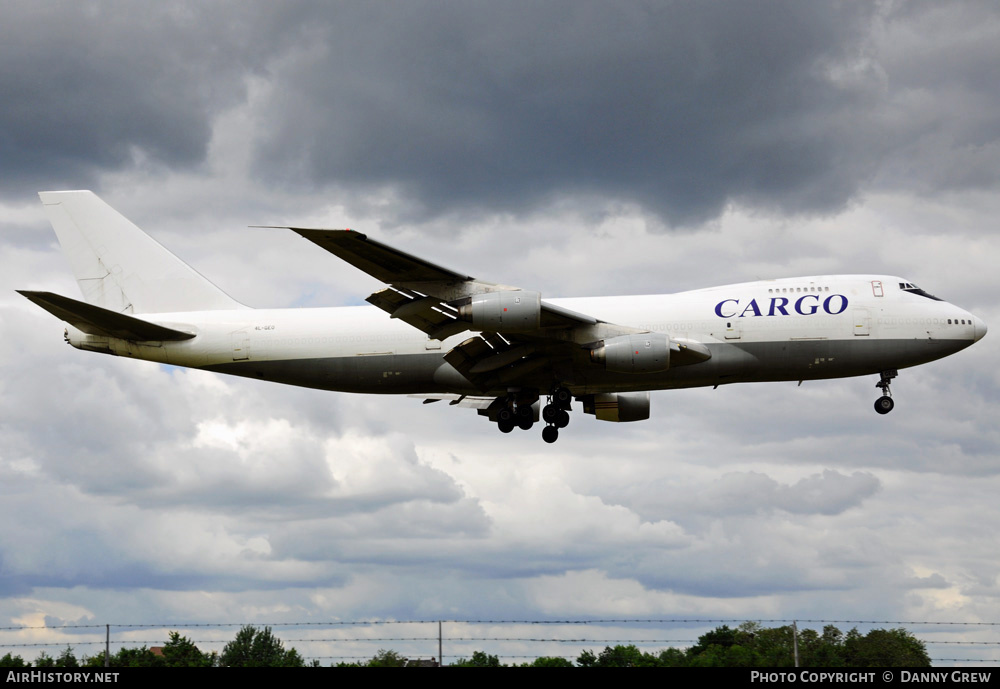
(884, 405)
(524, 417)
(562, 420)
(550, 413)
(550, 434)
(506, 420)
(563, 398)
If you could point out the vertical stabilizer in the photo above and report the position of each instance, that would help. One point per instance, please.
(121, 268)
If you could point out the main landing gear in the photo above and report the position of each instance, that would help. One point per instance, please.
(517, 412)
(520, 416)
(884, 404)
(556, 414)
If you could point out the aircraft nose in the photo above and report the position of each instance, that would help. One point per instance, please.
(979, 328)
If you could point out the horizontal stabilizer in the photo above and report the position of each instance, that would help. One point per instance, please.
(95, 320)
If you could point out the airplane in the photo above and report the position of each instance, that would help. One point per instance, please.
(445, 335)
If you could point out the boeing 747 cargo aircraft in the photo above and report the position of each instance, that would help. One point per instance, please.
(443, 335)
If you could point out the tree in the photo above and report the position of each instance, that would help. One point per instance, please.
(720, 636)
(387, 659)
(736, 655)
(13, 661)
(725, 647)
(181, 652)
(826, 650)
(773, 647)
(478, 659)
(752, 645)
(67, 658)
(672, 657)
(885, 648)
(625, 656)
(619, 656)
(254, 647)
(549, 661)
(134, 657)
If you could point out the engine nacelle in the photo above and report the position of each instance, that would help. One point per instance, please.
(509, 312)
(642, 353)
(618, 407)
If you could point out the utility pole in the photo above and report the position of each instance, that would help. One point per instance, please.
(440, 657)
(795, 642)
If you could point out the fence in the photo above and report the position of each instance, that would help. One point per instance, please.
(512, 641)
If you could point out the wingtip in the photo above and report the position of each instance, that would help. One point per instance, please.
(49, 197)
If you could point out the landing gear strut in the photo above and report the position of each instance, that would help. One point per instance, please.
(884, 404)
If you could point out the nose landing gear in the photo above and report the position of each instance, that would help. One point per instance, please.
(884, 404)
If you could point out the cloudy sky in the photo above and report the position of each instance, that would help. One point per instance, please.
(571, 147)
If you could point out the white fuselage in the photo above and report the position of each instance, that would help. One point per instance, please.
(788, 329)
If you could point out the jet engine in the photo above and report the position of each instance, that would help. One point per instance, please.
(508, 312)
(642, 353)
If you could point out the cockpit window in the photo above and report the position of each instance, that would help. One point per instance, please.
(910, 287)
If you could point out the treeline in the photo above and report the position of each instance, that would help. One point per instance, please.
(749, 645)
(252, 647)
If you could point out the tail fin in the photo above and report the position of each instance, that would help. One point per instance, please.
(121, 268)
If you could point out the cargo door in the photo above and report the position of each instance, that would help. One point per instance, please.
(862, 323)
(241, 346)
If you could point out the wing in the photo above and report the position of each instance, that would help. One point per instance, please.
(381, 261)
(519, 333)
(421, 293)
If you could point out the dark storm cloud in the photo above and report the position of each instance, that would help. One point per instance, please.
(682, 107)
(940, 61)
(91, 87)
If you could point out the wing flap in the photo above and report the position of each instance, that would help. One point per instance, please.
(431, 315)
(489, 361)
(95, 320)
(454, 399)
